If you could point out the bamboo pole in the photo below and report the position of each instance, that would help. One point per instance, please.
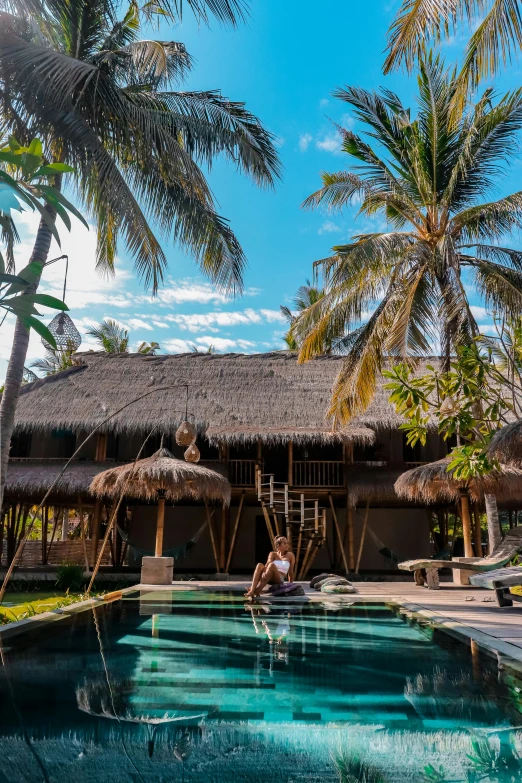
(268, 523)
(234, 533)
(212, 536)
(308, 564)
(478, 531)
(55, 527)
(466, 523)
(82, 533)
(290, 463)
(160, 524)
(45, 533)
(222, 554)
(363, 535)
(338, 531)
(96, 522)
(350, 534)
(305, 559)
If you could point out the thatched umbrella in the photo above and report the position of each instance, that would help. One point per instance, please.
(433, 483)
(506, 444)
(162, 477)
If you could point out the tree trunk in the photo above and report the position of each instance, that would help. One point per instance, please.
(15, 370)
(494, 536)
(466, 523)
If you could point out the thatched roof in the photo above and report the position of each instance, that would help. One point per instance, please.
(27, 479)
(233, 397)
(377, 486)
(180, 480)
(506, 444)
(432, 483)
(30, 480)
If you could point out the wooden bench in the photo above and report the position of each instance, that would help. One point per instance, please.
(500, 581)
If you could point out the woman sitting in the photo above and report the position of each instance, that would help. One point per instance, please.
(278, 567)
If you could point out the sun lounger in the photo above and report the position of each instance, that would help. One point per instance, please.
(501, 556)
(500, 581)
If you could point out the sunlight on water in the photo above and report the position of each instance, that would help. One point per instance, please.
(204, 689)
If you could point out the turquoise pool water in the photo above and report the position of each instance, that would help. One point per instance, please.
(202, 688)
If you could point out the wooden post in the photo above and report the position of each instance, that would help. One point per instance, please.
(65, 524)
(338, 531)
(466, 523)
(290, 463)
(45, 533)
(96, 521)
(160, 524)
(223, 536)
(82, 533)
(268, 523)
(478, 531)
(234, 532)
(363, 535)
(101, 447)
(351, 546)
(212, 536)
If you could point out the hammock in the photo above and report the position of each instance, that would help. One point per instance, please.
(383, 550)
(177, 552)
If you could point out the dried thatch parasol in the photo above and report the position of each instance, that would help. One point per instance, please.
(162, 477)
(506, 444)
(433, 484)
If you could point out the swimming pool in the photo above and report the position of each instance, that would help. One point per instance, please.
(199, 687)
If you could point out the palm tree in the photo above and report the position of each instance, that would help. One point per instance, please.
(105, 102)
(111, 336)
(55, 360)
(150, 349)
(496, 40)
(428, 186)
(306, 295)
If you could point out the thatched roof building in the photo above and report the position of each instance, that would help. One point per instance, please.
(235, 398)
(506, 444)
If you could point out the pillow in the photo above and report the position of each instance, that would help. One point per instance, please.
(288, 588)
(346, 588)
(319, 578)
(334, 580)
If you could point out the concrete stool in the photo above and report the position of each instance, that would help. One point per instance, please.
(157, 570)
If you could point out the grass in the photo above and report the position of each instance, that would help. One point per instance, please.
(19, 606)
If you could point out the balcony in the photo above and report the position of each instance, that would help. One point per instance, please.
(242, 472)
(318, 473)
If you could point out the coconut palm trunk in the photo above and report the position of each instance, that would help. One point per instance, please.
(17, 360)
(494, 535)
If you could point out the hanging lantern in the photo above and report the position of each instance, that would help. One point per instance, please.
(185, 434)
(65, 333)
(192, 454)
(62, 328)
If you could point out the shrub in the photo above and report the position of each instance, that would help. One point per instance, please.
(69, 577)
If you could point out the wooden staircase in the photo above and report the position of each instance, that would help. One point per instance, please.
(288, 512)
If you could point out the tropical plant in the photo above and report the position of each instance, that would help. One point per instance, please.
(468, 403)
(306, 295)
(429, 186)
(150, 349)
(496, 38)
(24, 178)
(109, 105)
(111, 336)
(351, 769)
(55, 360)
(199, 349)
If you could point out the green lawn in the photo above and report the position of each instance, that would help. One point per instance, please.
(16, 606)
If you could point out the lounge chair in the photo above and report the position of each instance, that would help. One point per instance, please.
(500, 581)
(501, 556)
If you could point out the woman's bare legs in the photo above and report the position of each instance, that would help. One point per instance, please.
(258, 573)
(262, 576)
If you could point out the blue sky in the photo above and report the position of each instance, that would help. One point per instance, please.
(284, 63)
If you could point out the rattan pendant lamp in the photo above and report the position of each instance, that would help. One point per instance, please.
(186, 436)
(62, 328)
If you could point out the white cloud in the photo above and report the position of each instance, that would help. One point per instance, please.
(324, 102)
(347, 121)
(223, 343)
(304, 141)
(330, 143)
(196, 322)
(488, 329)
(329, 227)
(177, 346)
(480, 313)
(137, 323)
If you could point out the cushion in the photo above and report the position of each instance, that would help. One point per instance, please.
(333, 580)
(288, 588)
(319, 578)
(346, 588)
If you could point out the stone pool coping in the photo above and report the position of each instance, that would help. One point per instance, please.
(450, 609)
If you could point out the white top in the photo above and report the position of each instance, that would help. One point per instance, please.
(283, 566)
